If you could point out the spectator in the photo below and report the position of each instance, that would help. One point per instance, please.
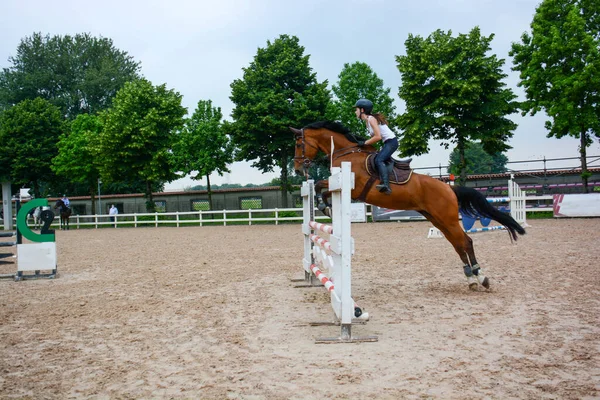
(112, 212)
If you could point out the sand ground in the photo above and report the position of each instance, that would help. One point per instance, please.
(209, 312)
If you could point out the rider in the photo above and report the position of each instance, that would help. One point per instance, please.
(66, 201)
(378, 129)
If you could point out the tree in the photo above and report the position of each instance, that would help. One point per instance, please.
(139, 134)
(29, 132)
(278, 90)
(359, 81)
(454, 93)
(77, 160)
(559, 65)
(79, 74)
(203, 145)
(477, 161)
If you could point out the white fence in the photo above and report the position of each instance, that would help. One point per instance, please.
(220, 217)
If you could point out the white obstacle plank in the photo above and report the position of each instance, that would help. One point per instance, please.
(517, 202)
(335, 254)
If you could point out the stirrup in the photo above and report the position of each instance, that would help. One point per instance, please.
(384, 189)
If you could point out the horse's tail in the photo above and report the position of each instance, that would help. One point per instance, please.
(474, 204)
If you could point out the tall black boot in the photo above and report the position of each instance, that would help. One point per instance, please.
(384, 187)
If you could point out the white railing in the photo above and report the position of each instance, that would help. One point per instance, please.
(221, 217)
(190, 218)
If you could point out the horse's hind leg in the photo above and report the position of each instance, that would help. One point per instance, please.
(462, 243)
(477, 271)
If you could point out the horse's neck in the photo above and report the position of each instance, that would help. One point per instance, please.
(339, 142)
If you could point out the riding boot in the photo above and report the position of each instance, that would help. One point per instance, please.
(384, 187)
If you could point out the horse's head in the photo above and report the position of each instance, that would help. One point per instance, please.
(317, 137)
(306, 151)
(59, 203)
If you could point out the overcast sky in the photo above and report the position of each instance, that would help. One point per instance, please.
(199, 47)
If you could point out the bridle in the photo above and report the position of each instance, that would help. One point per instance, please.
(302, 145)
(336, 153)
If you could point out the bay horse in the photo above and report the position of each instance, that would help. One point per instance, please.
(65, 213)
(434, 199)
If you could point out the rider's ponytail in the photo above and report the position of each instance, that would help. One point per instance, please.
(380, 118)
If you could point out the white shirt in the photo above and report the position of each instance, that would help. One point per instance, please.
(113, 211)
(386, 132)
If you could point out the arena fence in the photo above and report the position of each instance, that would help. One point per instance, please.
(215, 217)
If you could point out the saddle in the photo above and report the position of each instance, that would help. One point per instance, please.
(399, 172)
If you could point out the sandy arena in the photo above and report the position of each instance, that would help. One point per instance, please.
(209, 312)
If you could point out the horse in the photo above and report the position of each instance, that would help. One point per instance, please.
(65, 213)
(434, 199)
(37, 218)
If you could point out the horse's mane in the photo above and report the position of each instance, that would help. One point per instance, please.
(335, 127)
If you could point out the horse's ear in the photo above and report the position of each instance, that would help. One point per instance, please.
(296, 131)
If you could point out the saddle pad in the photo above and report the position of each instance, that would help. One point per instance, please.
(399, 175)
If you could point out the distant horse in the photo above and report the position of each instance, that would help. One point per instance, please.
(37, 218)
(435, 200)
(65, 213)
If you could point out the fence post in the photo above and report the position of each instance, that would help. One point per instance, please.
(96, 221)
(224, 217)
(249, 216)
(155, 219)
(177, 218)
(200, 217)
(276, 216)
(135, 220)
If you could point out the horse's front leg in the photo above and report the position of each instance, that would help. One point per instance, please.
(322, 197)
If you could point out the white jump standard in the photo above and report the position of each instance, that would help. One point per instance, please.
(334, 254)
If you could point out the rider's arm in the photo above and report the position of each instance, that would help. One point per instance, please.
(376, 132)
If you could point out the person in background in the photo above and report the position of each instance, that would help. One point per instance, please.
(65, 200)
(112, 212)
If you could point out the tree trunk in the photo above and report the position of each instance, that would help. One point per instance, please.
(210, 204)
(284, 183)
(582, 152)
(462, 181)
(150, 206)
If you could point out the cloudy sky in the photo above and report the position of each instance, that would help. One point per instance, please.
(199, 47)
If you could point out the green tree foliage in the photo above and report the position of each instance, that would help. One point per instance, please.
(454, 93)
(359, 81)
(29, 133)
(77, 159)
(79, 74)
(140, 130)
(559, 65)
(477, 161)
(278, 90)
(203, 145)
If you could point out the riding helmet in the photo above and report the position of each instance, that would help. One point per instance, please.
(366, 104)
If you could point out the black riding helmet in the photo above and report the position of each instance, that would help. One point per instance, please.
(365, 104)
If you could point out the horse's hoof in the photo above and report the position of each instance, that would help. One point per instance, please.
(473, 286)
(486, 283)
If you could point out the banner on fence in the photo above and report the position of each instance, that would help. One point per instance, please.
(577, 205)
(358, 212)
(387, 214)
